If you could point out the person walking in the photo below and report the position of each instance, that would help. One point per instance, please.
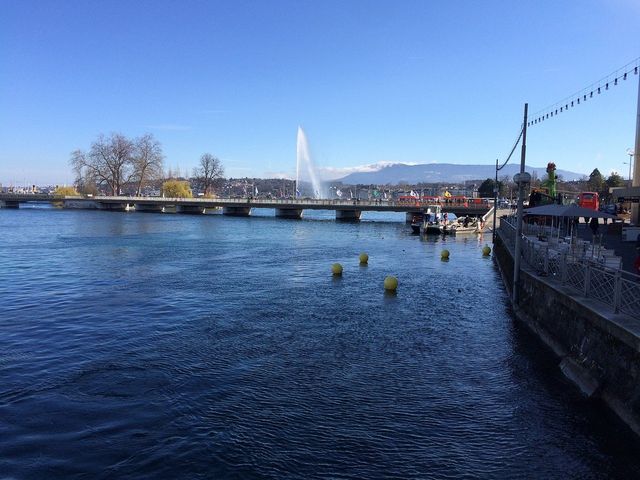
(593, 224)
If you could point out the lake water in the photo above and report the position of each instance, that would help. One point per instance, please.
(172, 346)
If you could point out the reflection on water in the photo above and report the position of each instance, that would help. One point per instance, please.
(170, 346)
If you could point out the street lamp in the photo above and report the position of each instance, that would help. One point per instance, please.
(631, 153)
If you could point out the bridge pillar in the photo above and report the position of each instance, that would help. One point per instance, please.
(191, 209)
(146, 207)
(236, 211)
(80, 204)
(9, 204)
(348, 215)
(295, 213)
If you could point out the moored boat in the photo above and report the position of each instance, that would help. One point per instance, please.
(432, 223)
(465, 225)
(416, 222)
(430, 228)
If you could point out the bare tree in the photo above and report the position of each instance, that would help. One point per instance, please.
(147, 160)
(84, 175)
(108, 163)
(209, 170)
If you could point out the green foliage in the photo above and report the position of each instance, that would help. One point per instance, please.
(485, 190)
(87, 188)
(615, 180)
(176, 189)
(65, 191)
(549, 181)
(596, 181)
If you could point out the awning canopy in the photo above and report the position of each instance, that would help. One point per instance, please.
(626, 194)
(555, 210)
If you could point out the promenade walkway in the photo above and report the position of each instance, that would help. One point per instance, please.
(612, 241)
(589, 271)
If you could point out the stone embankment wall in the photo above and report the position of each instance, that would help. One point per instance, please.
(82, 204)
(597, 352)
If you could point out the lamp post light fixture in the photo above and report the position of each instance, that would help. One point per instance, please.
(631, 154)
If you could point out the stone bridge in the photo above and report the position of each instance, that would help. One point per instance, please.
(284, 208)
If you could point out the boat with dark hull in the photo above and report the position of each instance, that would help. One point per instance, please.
(416, 222)
(432, 228)
(432, 222)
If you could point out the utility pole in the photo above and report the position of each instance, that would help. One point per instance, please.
(520, 181)
(635, 207)
(495, 204)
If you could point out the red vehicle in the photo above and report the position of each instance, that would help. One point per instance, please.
(457, 200)
(589, 200)
(429, 200)
(408, 200)
(477, 201)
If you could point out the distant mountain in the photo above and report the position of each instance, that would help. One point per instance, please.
(443, 173)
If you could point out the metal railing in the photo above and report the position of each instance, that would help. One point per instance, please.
(614, 287)
(261, 202)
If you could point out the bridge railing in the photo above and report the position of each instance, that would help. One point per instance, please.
(250, 201)
(285, 201)
(311, 201)
(614, 287)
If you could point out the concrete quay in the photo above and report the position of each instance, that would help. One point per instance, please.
(598, 349)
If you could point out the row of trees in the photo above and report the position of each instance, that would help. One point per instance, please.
(115, 161)
(597, 182)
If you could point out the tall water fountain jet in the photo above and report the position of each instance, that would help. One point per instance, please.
(305, 170)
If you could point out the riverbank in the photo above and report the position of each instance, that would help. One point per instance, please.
(599, 350)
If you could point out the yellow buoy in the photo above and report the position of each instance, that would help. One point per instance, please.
(364, 258)
(444, 255)
(336, 269)
(391, 283)
(486, 250)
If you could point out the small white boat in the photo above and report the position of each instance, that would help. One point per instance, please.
(464, 225)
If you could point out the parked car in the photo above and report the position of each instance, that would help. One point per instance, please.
(609, 209)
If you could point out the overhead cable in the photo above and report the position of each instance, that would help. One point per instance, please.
(513, 149)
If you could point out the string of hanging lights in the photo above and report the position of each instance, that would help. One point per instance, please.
(611, 80)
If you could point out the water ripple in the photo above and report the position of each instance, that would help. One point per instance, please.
(168, 346)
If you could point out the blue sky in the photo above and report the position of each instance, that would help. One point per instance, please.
(369, 81)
